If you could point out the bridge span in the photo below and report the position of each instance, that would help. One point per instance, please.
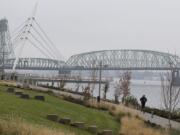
(107, 59)
(35, 64)
(125, 60)
(31, 33)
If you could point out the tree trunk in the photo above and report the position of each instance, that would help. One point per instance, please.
(169, 120)
(105, 95)
(116, 99)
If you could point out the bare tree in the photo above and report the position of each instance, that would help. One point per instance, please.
(93, 76)
(78, 78)
(86, 93)
(125, 83)
(117, 92)
(62, 82)
(122, 87)
(170, 93)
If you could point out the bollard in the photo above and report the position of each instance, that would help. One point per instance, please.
(41, 98)
(18, 93)
(78, 124)
(92, 129)
(10, 90)
(25, 96)
(65, 121)
(52, 117)
(106, 132)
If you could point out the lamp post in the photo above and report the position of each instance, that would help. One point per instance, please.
(100, 78)
(100, 73)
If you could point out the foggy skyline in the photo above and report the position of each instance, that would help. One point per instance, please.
(77, 26)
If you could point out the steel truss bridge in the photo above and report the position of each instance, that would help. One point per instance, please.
(109, 59)
(35, 64)
(31, 33)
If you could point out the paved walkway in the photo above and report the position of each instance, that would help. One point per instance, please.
(163, 122)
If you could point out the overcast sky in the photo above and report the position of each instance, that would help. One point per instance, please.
(77, 26)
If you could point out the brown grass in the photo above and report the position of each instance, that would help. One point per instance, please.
(135, 126)
(8, 82)
(19, 127)
(131, 123)
(112, 108)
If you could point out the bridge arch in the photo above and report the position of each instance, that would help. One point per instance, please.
(124, 59)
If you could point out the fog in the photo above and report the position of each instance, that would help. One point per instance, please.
(77, 26)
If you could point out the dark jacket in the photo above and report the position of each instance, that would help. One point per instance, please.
(143, 99)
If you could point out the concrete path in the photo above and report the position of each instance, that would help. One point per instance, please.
(163, 122)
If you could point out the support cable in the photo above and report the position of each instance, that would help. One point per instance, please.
(17, 28)
(48, 45)
(42, 45)
(18, 32)
(19, 54)
(18, 37)
(38, 48)
(30, 22)
(17, 43)
(48, 38)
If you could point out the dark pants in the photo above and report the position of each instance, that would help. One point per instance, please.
(142, 105)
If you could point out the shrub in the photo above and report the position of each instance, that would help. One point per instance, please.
(113, 108)
(50, 92)
(73, 100)
(130, 101)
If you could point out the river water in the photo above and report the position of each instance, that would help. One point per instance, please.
(152, 90)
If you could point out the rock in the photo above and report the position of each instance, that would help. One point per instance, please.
(19, 86)
(65, 121)
(92, 129)
(25, 96)
(52, 117)
(41, 98)
(11, 90)
(106, 132)
(78, 124)
(26, 86)
(18, 93)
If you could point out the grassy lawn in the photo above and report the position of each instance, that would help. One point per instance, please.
(35, 111)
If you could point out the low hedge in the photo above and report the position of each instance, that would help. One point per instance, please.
(163, 113)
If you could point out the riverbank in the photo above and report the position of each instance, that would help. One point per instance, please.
(121, 114)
